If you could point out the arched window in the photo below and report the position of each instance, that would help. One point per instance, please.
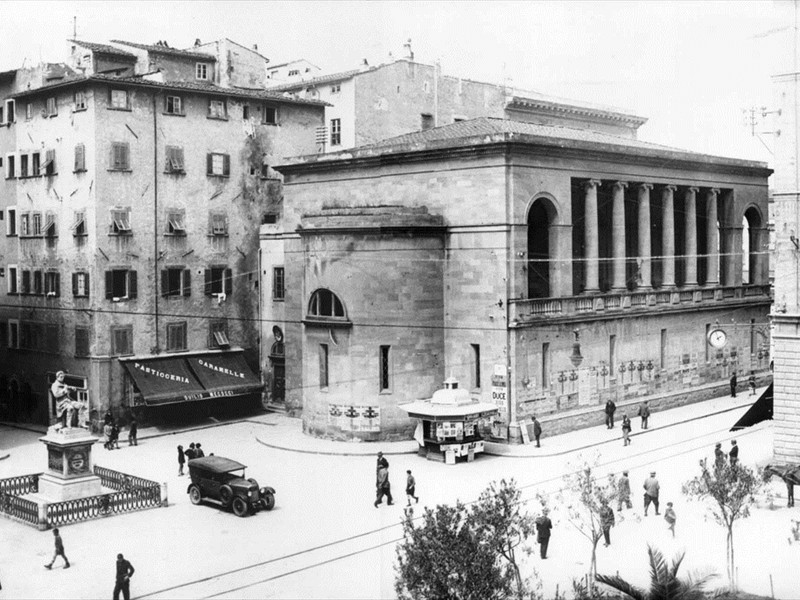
(751, 225)
(325, 304)
(540, 248)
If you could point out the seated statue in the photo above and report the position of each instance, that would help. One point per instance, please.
(66, 408)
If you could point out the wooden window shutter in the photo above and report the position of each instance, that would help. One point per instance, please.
(164, 283)
(179, 158)
(57, 283)
(74, 284)
(132, 286)
(228, 282)
(126, 156)
(86, 284)
(208, 282)
(109, 285)
(226, 164)
(187, 282)
(80, 157)
(209, 164)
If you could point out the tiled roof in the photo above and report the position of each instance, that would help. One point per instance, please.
(167, 50)
(103, 49)
(316, 80)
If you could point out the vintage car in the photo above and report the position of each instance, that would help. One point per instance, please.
(222, 481)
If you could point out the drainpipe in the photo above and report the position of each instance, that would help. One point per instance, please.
(155, 218)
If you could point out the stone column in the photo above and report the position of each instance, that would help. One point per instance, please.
(618, 237)
(690, 237)
(592, 239)
(668, 237)
(645, 281)
(712, 239)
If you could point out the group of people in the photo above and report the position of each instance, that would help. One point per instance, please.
(751, 383)
(719, 455)
(195, 450)
(384, 488)
(111, 431)
(644, 414)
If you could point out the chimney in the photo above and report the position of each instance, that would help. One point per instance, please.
(364, 65)
(407, 52)
(255, 47)
(196, 42)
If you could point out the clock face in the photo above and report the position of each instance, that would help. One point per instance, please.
(717, 338)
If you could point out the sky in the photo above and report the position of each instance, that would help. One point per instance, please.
(689, 67)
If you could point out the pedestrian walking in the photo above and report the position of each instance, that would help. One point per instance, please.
(651, 491)
(125, 571)
(133, 433)
(383, 487)
(115, 436)
(789, 493)
(59, 551)
(411, 486)
(670, 517)
(537, 430)
(626, 430)
(610, 408)
(751, 383)
(733, 385)
(198, 451)
(733, 455)
(107, 432)
(190, 452)
(543, 527)
(644, 413)
(624, 491)
(108, 418)
(181, 460)
(606, 521)
(381, 462)
(719, 457)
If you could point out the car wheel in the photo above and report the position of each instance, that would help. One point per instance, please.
(225, 495)
(269, 501)
(240, 507)
(194, 495)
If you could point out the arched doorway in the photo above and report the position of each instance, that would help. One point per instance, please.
(540, 219)
(277, 361)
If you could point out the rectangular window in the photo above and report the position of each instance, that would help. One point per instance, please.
(278, 291)
(176, 336)
(753, 340)
(81, 341)
(80, 100)
(36, 164)
(52, 283)
(26, 283)
(122, 340)
(23, 165)
(217, 109)
(201, 71)
(426, 121)
(612, 355)
(385, 369)
(219, 224)
(37, 283)
(663, 354)
(476, 366)
(120, 221)
(336, 132)
(270, 115)
(218, 334)
(51, 341)
(174, 105)
(37, 224)
(707, 345)
(120, 157)
(218, 165)
(175, 223)
(323, 365)
(28, 111)
(12, 279)
(80, 285)
(119, 100)
(218, 280)
(121, 284)
(11, 172)
(335, 89)
(80, 158)
(11, 111)
(245, 112)
(174, 159)
(51, 106)
(11, 222)
(546, 365)
(13, 334)
(176, 281)
(79, 225)
(50, 229)
(49, 166)
(25, 225)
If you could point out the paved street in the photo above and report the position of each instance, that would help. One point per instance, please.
(324, 539)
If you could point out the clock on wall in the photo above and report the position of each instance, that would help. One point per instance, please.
(717, 338)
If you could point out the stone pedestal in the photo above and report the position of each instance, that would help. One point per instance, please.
(69, 472)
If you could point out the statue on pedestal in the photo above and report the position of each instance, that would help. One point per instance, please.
(66, 407)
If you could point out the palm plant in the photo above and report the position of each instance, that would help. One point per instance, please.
(664, 582)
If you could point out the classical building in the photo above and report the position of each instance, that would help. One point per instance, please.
(547, 268)
(132, 190)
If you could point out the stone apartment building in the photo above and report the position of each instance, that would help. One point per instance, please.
(133, 182)
(547, 268)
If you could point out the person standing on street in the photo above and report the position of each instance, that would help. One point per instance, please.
(626, 430)
(624, 491)
(733, 385)
(198, 451)
(383, 488)
(610, 408)
(733, 455)
(411, 486)
(382, 462)
(644, 412)
(719, 457)
(181, 460)
(59, 551)
(606, 521)
(651, 490)
(543, 527)
(670, 517)
(108, 432)
(751, 382)
(133, 433)
(190, 452)
(537, 430)
(125, 571)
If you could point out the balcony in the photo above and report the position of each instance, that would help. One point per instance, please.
(613, 305)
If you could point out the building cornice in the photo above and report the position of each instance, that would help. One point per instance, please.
(523, 104)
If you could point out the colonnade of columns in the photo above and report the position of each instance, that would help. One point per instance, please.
(618, 244)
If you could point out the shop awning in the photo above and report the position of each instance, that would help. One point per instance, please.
(186, 378)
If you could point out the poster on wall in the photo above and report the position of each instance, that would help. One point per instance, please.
(354, 418)
(500, 390)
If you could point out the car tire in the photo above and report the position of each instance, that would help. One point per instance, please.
(268, 500)
(225, 495)
(240, 508)
(194, 495)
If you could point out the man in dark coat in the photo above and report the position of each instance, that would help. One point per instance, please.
(133, 433)
(190, 452)
(606, 521)
(537, 430)
(624, 491)
(651, 491)
(125, 571)
(59, 551)
(733, 455)
(644, 412)
(610, 408)
(733, 385)
(543, 527)
(383, 488)
(719, 456)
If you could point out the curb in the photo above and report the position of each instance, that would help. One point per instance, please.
(329, 453)
(4, 456)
